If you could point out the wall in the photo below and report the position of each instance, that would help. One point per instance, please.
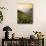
(25, 30)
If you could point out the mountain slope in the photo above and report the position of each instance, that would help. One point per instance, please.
(24, 18)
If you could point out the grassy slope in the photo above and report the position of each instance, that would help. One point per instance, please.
(24, 18)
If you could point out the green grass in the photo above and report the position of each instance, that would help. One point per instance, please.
(24, 18)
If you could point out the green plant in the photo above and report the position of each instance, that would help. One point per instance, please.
(1, 15)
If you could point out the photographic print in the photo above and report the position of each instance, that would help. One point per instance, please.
(25, 13)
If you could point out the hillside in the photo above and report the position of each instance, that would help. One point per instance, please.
(24, 18)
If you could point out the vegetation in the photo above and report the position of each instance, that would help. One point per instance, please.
(1, 15)
(24, 18)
